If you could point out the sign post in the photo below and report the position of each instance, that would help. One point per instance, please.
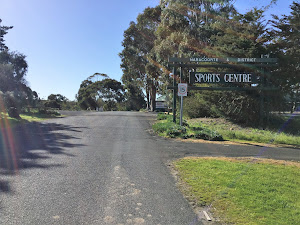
(254, 83)
(174, 95)
(182, 91)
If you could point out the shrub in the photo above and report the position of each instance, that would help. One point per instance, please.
(168, 128)
(196, 106)
(44, 111)
(13, 112)
(176, 130)
(207, 134)
(162, 116)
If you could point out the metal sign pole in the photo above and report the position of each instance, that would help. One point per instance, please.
(262, 99)
(181, 99)
(181, 109)
(174, 95)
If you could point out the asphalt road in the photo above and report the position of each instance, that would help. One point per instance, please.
(100, 168)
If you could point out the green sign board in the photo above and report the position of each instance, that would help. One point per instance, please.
(222, 77)
(236, 60)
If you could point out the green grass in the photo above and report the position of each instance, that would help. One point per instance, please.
(221, 129)
(26, 117)
(243, 192)
(290, 135)
(261, 137)
(166, 128)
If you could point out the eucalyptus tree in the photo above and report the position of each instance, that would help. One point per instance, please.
(214, 28)
(86, 95)
(138, 61)
(56, 101)
(186, 28)
(133, 62)
(108, 91)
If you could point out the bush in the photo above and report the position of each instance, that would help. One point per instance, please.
(162, 116)
(44, 111)
(196, 106)
(169, 129)
(162, 127)
(206, 134)
(176, 130)
(13, 112)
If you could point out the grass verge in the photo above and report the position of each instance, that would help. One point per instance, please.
(26, 117)
(218, 129)
(166, 128)
(243, 191)
(289, 132)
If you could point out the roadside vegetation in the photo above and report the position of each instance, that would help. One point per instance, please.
(166, 128)
(281, 131)
(34, 116)
(243, 191)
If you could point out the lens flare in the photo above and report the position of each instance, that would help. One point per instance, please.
(8, 147)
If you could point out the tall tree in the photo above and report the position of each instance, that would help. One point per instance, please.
(107, 91)
(86, 95)
(209, 28)
(138, 61)
(13, 85)
(285, 42)
(135, 99)
(3, 31)
(243, 35)
(56, 101)
(186, 29)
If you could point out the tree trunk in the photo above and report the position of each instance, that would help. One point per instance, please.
(292, 102)
(153, 96)
(148, 96)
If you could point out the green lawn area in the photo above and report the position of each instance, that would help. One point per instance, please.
(243, 191)
(279, 132)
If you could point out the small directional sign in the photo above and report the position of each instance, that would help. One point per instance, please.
(222, 77)
(182, 89)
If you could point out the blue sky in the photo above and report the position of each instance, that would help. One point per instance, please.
(66, 41)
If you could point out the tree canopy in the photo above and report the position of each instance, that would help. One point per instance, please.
(14, 91)
(101, 93)
(207, 28)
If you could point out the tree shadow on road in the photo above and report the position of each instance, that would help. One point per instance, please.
(28, 145)
(4, 186)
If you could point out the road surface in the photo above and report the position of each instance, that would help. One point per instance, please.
(100, 168)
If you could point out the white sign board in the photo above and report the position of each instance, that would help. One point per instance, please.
(182, 89)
